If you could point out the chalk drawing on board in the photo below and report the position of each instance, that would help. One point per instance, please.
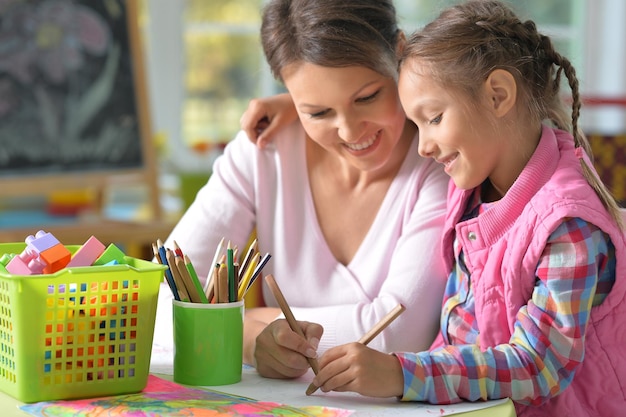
(67, 94)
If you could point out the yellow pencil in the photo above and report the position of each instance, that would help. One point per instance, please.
(244, 283)
(374, 331)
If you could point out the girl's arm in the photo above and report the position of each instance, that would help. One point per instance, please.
(265, 116)
(558, 314)
(547, 345)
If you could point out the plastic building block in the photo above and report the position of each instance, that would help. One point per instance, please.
(27, 259)
(57, 257)
(17, 266)
(41, 241)
(88, 253)
(111, 253)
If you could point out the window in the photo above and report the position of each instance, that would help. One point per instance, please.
(209, 61)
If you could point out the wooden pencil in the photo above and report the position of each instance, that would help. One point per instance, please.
(244, 282)
(178, 279)
(194, 279)
(374, 331)
(194, 296)
(221, 291)
(216, 256)
(212, 282)
(247, 258)
(280, 299)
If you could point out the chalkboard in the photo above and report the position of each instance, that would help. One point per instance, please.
(72, 93)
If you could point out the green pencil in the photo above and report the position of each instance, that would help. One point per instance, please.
(195, 280)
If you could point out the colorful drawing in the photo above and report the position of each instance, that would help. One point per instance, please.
(165, 398)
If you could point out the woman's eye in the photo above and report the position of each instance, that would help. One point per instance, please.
(436, 120)
(318, 114)
(368, 98)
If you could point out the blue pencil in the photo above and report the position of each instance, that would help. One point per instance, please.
(168, 274)
(257, 270)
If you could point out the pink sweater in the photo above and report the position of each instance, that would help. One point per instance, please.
(399, 261)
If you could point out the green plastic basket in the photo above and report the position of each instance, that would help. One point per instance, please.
(81, 332)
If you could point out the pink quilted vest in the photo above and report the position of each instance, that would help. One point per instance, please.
(502, 248)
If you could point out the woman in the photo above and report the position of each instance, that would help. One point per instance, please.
(351, 216)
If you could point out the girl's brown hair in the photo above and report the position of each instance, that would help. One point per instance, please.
(331, 33)
(468, 41)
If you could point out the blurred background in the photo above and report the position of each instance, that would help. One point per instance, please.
(205, 63)
(129, 102)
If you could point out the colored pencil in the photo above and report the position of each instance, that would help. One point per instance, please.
(247, 259)
(258, 270)
(168, 274)
(244, 282)
(212, 283)
(177, 250)
(221, 292)
(218, 251)
(192, 291)
(232, 287)
(194, 278)
(374, 331)
(280, 299)
(178, 279)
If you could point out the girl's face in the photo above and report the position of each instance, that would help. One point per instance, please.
(460, 138)
(353, 112)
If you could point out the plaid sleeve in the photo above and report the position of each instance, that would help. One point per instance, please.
(548, 341)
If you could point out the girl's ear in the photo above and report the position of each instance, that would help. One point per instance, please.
(501, 90)
(400, 44)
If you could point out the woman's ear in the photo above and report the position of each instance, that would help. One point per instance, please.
(501, 91)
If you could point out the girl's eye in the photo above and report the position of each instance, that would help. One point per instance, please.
(368, 98)
(436, 120)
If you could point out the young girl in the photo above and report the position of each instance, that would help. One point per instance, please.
(534, 307)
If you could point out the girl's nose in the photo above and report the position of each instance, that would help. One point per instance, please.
(425, 147)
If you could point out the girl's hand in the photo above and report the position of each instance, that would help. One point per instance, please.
(355, 367)
(265, 116)
(282, 353)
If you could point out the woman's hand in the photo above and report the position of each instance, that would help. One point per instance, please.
(355, 367)
(282, 353)
(265, 116)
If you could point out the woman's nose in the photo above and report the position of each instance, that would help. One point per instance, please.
(350, 129)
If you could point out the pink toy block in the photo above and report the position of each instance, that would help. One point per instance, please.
(56, 258)
(17, 266)
(88, 253)
(27, 259)
(41, 241)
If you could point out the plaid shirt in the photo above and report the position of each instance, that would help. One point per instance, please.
(576, 272)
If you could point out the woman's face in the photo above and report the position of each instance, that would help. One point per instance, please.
(353, 112)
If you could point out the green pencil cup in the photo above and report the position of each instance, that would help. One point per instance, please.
(208, 343)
